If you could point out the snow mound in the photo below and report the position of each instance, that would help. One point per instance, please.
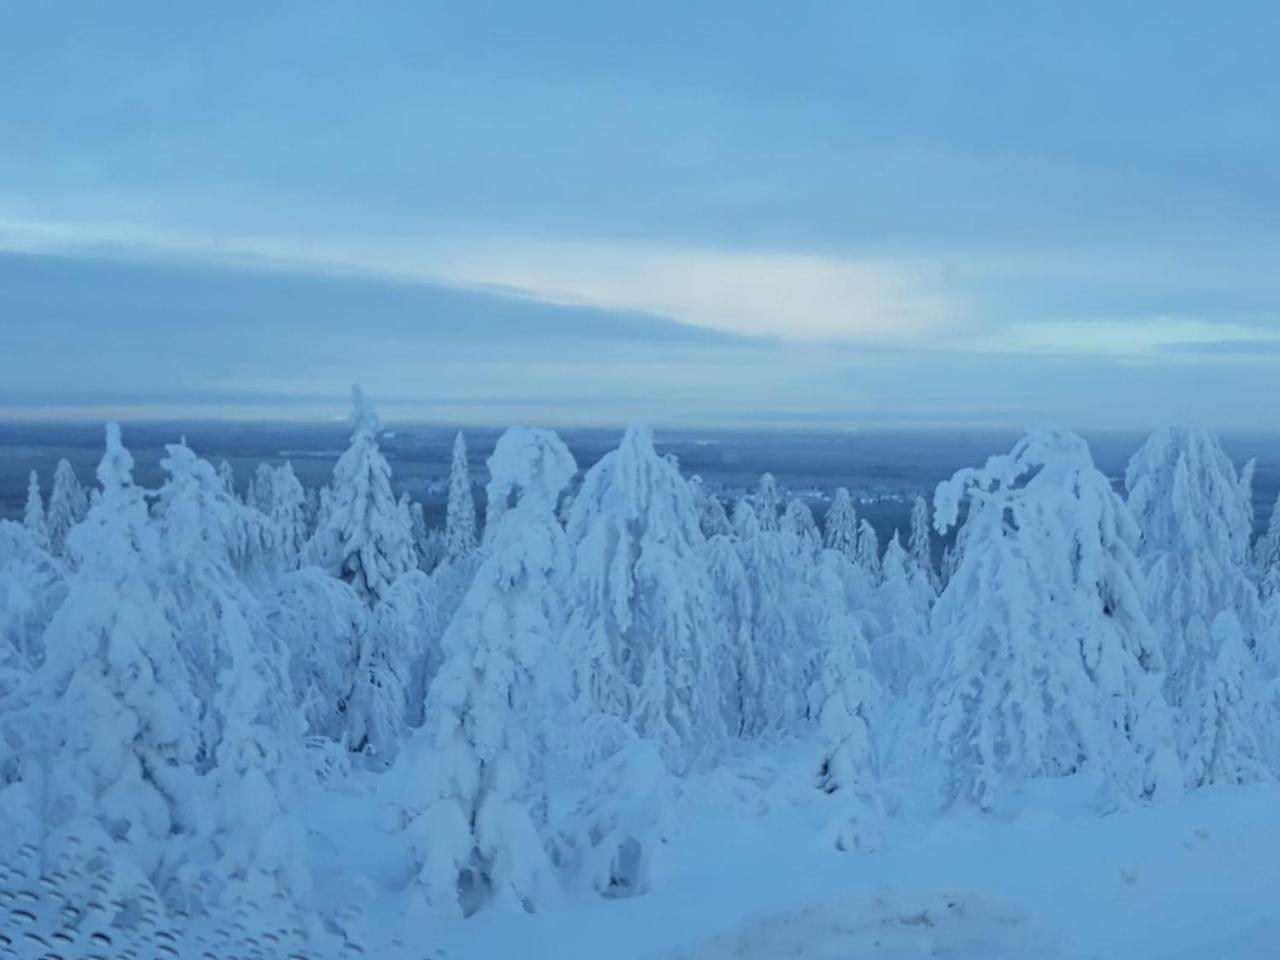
(890, 927)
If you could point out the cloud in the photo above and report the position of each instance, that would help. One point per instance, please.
(792, 296)
(1140, 337)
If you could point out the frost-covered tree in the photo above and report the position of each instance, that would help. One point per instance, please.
(904, 596)
(321, 621)
(767, 502)
(31, 589)
(366, 535)
(799, 525)
(1196, 521)
(841, 527)
(920, 543)
(109, 740)
(498, 721)
(68, 503)
(278, 495)
(460, 518)
(712, 516)
(33, 516)
(644, 617)
(227, 476)
(868, 548)
(1049, 666)
(1266, 552)
(250, 844)
(843, 695)
(1230, 713)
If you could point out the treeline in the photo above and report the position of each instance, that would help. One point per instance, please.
(180, 668)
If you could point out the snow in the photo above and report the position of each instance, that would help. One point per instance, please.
(621, 724)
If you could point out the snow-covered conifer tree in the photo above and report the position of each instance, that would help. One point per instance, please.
(1231, 715)
(712, 516)
(921, 543)
(842, 695)
(110, 744)
(767, 503)
(278, 495)
(903, 600)
(1048, 664)
(1196, 523)
(1266, 552)
(31, 589)
(498, 717)
(68, 503)
(322, 622)
(868, 548)
(33, 517)
(366, 536)
(841, 527)
(644, 617)
(227, 476)
(251, 844)
(460, 518)
(798, 524)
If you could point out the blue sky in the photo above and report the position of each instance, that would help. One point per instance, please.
(887, 212)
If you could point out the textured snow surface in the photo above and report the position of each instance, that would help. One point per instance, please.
(750, 874)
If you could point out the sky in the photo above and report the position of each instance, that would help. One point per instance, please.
(723, 213)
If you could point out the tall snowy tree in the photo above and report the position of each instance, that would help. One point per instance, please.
(227, 476)
(767, 503)
(1196, 521)
(1232, 718)
(110, 741)
(498, 721)
(868, 548)
(921, 543)
(366, 537)
(843, 695)
(68, 503)
(460, 518)
(903, 600)
(278, 495)
(251, 844)
(841, 527)
(799, 525)
(712, 516)
(1266, 552)
(644, 618)
(1049, 666)
(31, 589)
(33, 517)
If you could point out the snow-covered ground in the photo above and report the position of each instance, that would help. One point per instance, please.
(752, 876)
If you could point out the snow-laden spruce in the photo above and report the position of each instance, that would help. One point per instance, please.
(798, 525)
(277, 494)
(644, 630)
(31, 589)
(1048, 663)
(460, 517)
(1196, 521)
(33, 515)
(901, 648)
(251, 841)
(499, 726)
(840, 531)
(68, 503)
(365, 534)
(920, 543)
(767, 502)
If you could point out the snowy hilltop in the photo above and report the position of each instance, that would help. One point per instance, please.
(611, 711)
